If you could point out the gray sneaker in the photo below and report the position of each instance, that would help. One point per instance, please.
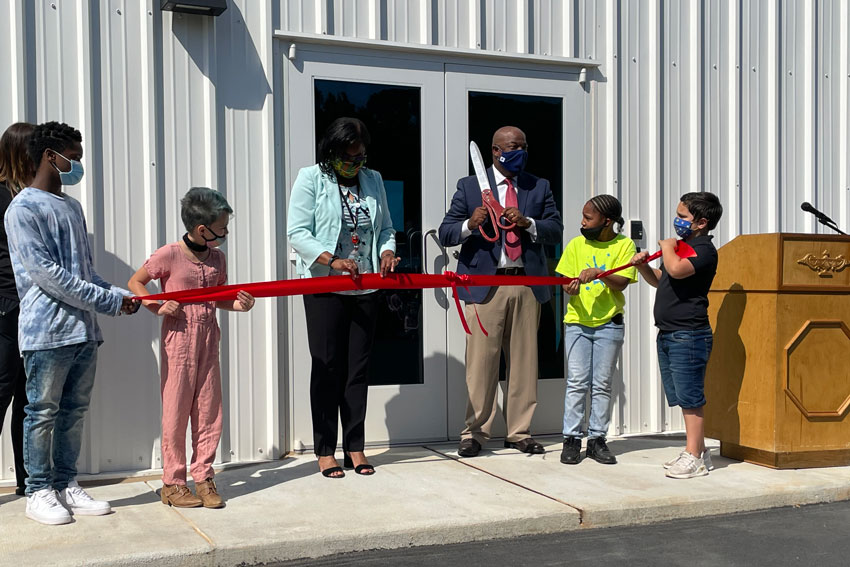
(706, 457)
(687, 466)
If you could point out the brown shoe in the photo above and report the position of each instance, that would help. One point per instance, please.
(468, 447)
(208, 494)
(527, 445)
(179, 496)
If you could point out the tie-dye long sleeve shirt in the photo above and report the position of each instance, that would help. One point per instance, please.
(59, 290)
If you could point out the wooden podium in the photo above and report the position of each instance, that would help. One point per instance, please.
(778, 381)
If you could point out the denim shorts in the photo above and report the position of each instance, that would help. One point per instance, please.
(682, 357)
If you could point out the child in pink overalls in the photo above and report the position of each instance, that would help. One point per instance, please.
(191, 374)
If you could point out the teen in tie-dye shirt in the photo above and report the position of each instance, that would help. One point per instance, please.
(60, 294)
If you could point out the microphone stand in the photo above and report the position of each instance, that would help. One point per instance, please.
(822, 218)
(829, 223)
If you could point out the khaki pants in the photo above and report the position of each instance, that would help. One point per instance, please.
(511, 315)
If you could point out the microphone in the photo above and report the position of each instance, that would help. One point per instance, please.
(822, 218)
(806, 206)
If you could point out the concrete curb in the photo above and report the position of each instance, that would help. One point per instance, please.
(283, 510)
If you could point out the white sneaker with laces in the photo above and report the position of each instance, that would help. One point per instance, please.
(687, 466)
(45, 508)
(79, 502)
(706, 457)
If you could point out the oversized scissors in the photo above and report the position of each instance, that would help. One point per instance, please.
(490, 202)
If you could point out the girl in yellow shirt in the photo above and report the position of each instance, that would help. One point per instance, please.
(594, 326)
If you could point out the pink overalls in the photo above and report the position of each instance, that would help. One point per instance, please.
(191, 374)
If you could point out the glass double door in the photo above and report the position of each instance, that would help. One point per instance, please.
(421, 114)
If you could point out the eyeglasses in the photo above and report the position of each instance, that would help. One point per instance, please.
(352, 159)
(511, 147)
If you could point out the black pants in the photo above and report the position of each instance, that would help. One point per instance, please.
(13, 382)
(340, 332)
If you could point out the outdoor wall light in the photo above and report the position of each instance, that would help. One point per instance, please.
(200, 7)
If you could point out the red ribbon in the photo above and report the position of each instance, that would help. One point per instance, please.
(328, 284)
(304, 286)
(455, 279)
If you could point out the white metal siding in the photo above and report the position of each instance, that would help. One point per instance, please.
(745, 99)
(164, 102)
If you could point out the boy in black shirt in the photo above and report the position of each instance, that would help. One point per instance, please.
(681, 315)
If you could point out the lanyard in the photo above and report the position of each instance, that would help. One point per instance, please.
(355, 238)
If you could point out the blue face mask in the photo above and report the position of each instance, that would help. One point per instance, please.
(683, 227)
(72, 176)
(514, 161)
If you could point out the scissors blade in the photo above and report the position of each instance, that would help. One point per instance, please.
(478, 166)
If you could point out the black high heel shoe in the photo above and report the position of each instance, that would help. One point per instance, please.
(365, 469)
(329, 472)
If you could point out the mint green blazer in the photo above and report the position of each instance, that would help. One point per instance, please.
(314, 219)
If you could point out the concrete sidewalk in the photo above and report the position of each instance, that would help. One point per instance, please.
(421, 495)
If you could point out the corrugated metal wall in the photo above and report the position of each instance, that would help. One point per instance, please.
(164, 102)
(745, 99)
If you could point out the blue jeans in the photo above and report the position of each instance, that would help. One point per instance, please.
(59, 386)
(682, 357)
(592, 354)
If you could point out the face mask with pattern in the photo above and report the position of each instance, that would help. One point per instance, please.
(348, 169)
(683, 227)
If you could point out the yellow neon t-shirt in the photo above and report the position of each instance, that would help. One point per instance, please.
(596, 303)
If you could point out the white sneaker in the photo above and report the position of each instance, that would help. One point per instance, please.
(77, 501)
(687, 466)
(706, 457)
(44, 507)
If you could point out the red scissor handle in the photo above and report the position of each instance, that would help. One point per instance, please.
(497, 213)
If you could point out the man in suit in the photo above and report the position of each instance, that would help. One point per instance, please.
(510, 314)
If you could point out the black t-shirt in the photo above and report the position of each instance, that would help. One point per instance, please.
(7, 276)
(682, 304)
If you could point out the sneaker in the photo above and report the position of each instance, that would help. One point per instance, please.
(80, 503)
(687, 466)
(571, 454)
(598, 450)
(44, 507)
(706, 457)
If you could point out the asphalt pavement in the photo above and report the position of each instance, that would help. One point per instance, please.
(803, 535)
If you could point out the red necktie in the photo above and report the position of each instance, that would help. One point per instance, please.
(513, 246)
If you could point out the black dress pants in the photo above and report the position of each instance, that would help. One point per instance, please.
(13, 382)
(340, 332)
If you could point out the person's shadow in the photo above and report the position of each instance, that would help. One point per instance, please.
(397, 416)
(725, 370)
(240, 480)
(122, 428)
(6, 498)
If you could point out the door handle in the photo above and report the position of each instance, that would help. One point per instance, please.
(433, 234)
(439, 293)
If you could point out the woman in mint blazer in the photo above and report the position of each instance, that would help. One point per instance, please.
(339, 223)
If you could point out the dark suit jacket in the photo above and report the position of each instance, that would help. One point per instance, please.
(479, 256)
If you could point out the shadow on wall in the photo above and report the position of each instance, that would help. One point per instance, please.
(124, 418)
(223, 50)
(126, 405)
(398, 408)
(728, 362)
